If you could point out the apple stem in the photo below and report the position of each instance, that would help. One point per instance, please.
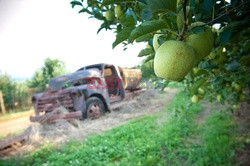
(185, 26)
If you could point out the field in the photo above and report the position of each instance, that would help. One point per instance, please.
(177, 134)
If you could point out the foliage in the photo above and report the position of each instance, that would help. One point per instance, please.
(41, 78)
(172, 137)
(178, 19)
(147, 69)
(15, 94)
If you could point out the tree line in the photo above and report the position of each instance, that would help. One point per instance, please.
(17, 95)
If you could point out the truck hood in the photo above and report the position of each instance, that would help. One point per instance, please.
(57, 83)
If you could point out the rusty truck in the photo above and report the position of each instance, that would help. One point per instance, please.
(87, 93)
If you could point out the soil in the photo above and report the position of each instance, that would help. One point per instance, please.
(13, 125)
(62, 131)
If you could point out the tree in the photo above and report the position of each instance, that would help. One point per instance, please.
(147, 69)
(7, 86)
(15, 94)
(41, 78)
(224, 72)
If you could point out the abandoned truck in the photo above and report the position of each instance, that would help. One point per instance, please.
(87, 93)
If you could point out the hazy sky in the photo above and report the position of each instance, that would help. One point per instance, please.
(32, 30)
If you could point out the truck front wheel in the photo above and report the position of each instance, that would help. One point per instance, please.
(94, 108)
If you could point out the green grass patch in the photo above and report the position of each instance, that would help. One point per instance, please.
(171, 137)
(217, 141)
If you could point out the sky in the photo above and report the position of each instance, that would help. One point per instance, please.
(32, 30)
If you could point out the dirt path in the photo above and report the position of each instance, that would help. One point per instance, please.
(150, 102)
(14, 125)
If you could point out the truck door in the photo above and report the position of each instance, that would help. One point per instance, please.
(113, 81)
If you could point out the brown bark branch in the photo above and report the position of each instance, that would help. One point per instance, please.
(185, 26)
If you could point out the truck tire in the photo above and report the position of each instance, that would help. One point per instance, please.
(94, 108)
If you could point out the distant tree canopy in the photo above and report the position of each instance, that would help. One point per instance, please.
(8, 89)
(18, 94)
(15, 94)
(41, 78)
(147, 69)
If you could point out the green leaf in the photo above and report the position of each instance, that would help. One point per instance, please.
(196, 86)
(225, 35)
(109, 2)
(127, 20)
(234, 65)
(180, 18)
(144, 38)
(196, 24)
(196, 30)
(146, 13)
(145, 52)
(164, 84)
(245, 60)
(207, 5)
(104, 25)
(146, 28)
(192, 4)
(201, 72)
(75, 3)
(160, 6)
(122, 35)
(150, 57)
(84, 10)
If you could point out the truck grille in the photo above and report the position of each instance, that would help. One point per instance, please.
(50, 102)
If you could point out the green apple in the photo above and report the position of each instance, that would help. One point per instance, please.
(222, 57)
(237, 87)
(174, 60)
(242, 97)
(118, 11)
(155, 41)
(109, 15)
(201, 96)
(236, 48)
(196, 70)
(195, 99)
(201, 91)
(236, 106)
(202, 43)
(218, 97)
(212, 55)
(233, 83)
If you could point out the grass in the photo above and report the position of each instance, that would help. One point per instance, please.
(15, 114)
(172, 137)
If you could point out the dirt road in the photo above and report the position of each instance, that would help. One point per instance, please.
(14, 125)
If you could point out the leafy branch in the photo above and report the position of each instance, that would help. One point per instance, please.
(226, 13)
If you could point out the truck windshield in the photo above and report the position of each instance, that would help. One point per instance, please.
(73, 79)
